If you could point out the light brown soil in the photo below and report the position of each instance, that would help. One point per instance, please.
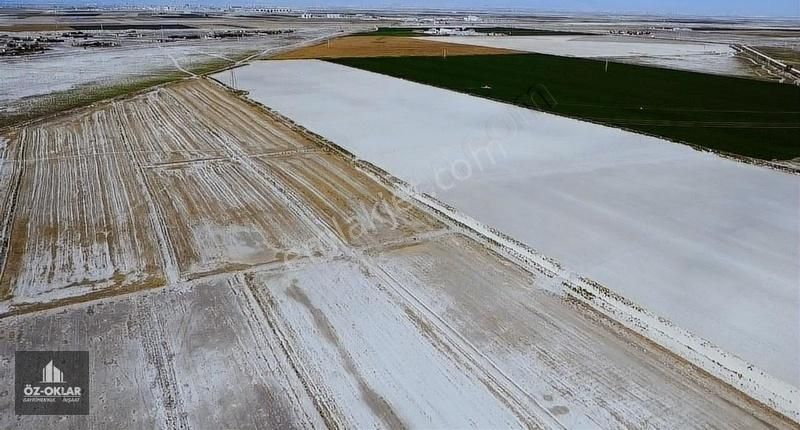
(787, 55)
(360, 211)
(79, 217)
(181, 182)
(35, 27)
(386, 46)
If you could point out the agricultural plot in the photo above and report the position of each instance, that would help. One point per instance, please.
(276, 311)
(715, 58)
(383, 46)
(188, 358)
(179, 183)
(590, 46)
(195, 121)
(8, 176)
(404, 336)
(551, 350)
(380, 360)
(617, 207)
(787, 55)
(359, 210)
(80, 219)
(221, 216)
(739, 116)
(70, 77)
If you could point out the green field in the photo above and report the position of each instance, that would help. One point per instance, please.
(740, 116)
(394, 31)
(511, 31)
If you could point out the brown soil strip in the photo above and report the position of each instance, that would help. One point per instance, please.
(386, 46)
(787, 55)
(36, 27)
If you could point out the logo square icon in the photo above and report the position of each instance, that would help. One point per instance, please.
(51, 382)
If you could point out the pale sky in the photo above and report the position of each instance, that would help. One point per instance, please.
(776, 8)
(772, 8)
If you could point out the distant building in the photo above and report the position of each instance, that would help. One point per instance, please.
(274, 10)
(451, 32)
(322, 16)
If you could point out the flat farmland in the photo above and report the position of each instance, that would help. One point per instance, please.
(551, 350)
(617, 207)
(438, 333)
(705, 57)
(735, 115)
(258, 277)
(590, 46)
(787, 55)
(179, 183)
(80, 219)
(198, 121)
(67, 77)
(9, 166)
(359, 210)
(221, 216)
(149, 350)
(386, 46)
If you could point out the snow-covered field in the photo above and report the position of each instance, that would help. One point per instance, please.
(705, 242)
(591, 46)
(67, 68)
(147, 190)
(226, 269)
(695, 56)
(437, 333)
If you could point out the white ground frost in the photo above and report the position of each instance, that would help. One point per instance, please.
(707, 243)
(694, 56)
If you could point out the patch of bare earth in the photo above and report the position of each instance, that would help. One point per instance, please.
(786, 55)
(386, 46)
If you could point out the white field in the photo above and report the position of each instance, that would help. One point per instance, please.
(433, 333)
(590, 46)
(701, 57)
(289, 288)
(708, 243)
(67, 68)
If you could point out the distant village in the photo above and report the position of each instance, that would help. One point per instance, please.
(14, 45)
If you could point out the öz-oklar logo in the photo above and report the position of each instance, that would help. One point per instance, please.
(52, 382)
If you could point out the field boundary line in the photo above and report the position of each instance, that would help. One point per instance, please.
(6, 229)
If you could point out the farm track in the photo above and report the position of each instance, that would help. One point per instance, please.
(227, 270)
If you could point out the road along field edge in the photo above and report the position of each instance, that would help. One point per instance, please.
(777, 395)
